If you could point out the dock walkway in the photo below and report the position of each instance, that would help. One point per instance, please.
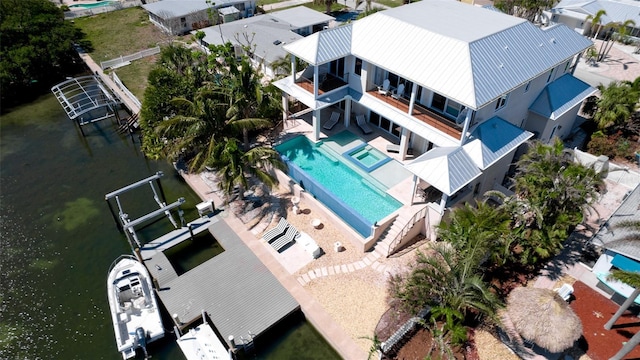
(241, 296)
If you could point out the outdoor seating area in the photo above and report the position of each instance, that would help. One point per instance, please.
(281, 235)
(362, 124)
(333, 120)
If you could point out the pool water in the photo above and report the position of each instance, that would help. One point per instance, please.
(92, 5)
(367, 157)
(358, 190)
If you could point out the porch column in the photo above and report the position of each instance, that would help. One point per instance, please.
(315, 122)
(443, 202)
(285, 107)
(316, 80)
(404, 143)
(414, 188)
(412, 100)
(575, 63)
(347, 112)
(467, 121)
(293, 68)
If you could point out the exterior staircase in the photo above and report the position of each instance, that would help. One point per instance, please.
(394, 234)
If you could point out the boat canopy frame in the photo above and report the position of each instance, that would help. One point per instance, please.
(80, 96)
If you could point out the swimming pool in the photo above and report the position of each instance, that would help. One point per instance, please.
(367, 157)
(92, 5)
(358, 198)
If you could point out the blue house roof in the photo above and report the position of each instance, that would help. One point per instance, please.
(492, 140)
(560, 96)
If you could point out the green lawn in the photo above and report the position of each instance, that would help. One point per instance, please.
(134, 76)
(120, 32)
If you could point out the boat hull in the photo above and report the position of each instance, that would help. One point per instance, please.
(134, 309)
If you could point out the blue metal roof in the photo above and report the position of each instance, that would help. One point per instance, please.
(492, 140)
(560, 96)
(624, 263)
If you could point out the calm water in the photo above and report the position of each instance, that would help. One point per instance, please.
(58, 238)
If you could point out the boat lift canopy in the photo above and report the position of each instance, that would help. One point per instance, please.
(80, 96)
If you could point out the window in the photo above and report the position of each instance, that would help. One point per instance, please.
(438, 102)
(358, 69)
(336, 67)
(526, 88)
(453, 108)
(550, 75)
(502, 101)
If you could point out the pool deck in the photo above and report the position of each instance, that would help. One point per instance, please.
(313, 310)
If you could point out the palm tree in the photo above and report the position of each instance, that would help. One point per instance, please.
(444, 278)
(618, 32)
(282, 66)
(326, 3)
(616, 103)
(596, 20)
(234, 166)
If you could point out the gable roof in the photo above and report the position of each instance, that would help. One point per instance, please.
(561, 95)
(427, 43)
(492, 140)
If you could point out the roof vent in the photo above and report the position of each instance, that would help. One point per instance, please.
(552, 40)
(506, 47)
(277, 42)
(501, 65)
(541, 44)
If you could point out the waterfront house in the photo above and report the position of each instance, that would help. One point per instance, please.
(462, 98)
(267, 34)
(178, 17)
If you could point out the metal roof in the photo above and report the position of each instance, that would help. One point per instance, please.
(167, 9)
(492, 140)
(616, 11)
(267, 35)
(467, 53)
(448, 169)
(323, 46)
(560, 96)
(618, 238)
(301, 16)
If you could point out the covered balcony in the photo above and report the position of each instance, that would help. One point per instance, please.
(328, 82)
(421, 113)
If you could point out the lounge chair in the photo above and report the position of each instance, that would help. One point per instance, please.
(335, 116)
(362, 123)
(399, 92)
(283, 240)
(565, 291)
(384, 89)
(277, 231)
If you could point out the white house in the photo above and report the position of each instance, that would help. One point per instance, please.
(178, 17)
(267, 34)
(475, 83)
(575, 13)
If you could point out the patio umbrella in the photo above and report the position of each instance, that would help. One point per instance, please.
(541, 316)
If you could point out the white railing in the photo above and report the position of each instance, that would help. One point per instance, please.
(124, 89)
(127, 58)
(397, 241)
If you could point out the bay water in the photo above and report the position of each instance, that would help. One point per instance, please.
(58, 238)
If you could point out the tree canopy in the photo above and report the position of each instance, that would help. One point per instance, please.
(199, 108)
(37, 46)
(526, 9)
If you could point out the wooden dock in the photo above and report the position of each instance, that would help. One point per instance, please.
(241, 296)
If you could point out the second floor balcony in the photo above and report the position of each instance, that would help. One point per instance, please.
(327, 83)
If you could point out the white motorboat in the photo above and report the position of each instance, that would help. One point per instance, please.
(134, 309)
(202, 343)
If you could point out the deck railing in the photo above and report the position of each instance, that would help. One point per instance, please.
(397, 241)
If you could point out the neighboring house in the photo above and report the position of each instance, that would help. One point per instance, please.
(178, 17)
(472, 94)
(621, 245)
(574, 14)
(267, 34)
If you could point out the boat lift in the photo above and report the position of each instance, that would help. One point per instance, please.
(127, 225)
